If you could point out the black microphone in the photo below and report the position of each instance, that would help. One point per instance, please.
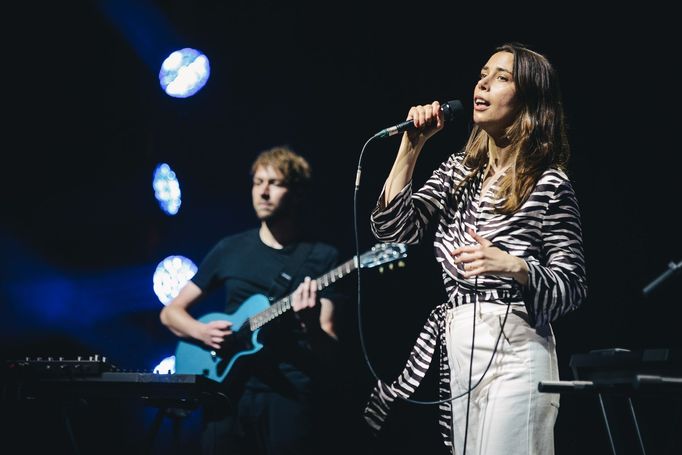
(452, 110)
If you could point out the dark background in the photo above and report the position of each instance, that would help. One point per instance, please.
(86, 122)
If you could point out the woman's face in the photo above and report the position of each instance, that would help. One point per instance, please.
(495, 101)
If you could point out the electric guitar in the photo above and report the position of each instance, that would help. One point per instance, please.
(192, 357)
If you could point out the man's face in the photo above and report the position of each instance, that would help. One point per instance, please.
(269, 193)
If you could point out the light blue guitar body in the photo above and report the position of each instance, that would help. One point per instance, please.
(191, 358)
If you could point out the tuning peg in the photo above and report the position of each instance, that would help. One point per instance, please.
(390, 266)
(381, 269)
(401, 264)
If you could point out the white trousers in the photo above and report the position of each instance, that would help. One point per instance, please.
(507, 414)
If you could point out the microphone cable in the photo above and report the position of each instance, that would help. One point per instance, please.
(471, 368)
(359, 308)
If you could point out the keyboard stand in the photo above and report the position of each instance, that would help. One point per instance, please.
(616, 404)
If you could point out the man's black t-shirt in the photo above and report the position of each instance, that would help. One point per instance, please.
(245, 266)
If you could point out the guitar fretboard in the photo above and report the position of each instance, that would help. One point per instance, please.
(283, 305)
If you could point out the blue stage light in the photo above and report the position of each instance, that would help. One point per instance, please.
(166, 366)
(184, 73)
(167, 189)
(171, 275)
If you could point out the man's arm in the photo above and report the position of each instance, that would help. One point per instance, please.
(316, 315)
(327, 317)
(178, 320)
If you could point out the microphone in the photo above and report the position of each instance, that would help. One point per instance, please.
(452, 110)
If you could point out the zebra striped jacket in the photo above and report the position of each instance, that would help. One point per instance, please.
(545, 231)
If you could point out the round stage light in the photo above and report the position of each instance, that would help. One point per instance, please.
(167, 189)
(171, 275)
(184, 72)
(166, 366)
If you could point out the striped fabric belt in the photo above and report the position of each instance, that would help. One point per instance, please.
(383, 395)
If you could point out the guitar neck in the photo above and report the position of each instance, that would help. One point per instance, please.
(283, 305)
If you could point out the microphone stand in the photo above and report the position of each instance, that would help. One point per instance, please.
(672, 268)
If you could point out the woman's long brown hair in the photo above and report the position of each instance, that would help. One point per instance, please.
(537, 137)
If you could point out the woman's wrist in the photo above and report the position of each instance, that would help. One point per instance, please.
(521, 271)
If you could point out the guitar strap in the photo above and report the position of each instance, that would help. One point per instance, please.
(282, 283)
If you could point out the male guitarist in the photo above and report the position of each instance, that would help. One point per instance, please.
(274, 391)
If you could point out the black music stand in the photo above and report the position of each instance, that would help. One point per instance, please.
(175, 413)
(672, 269)
(617, 376)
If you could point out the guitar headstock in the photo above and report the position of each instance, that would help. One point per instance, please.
(383, 253)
